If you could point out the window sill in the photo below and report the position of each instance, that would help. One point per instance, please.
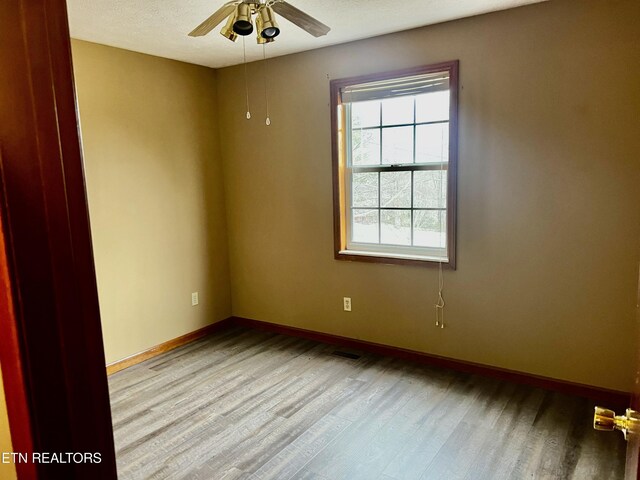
(391, 259)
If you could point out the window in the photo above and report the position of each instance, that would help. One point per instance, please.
(394, 163)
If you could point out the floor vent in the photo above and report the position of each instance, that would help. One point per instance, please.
(352, 356)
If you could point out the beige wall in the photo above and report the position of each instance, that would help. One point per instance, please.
(154, 184)
(548, 194)
(7, 471)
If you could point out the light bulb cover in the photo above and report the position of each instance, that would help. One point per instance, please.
(259, 29)
(242, 22)
(266, 22)
(227, 30)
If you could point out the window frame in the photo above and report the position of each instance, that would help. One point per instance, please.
(384, 253)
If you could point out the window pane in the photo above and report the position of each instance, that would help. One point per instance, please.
(365, 114)
(397, 145)
(366, 147)
(396, 226)
(432, 143)
(430, 228)
(431, 107)
(395, 189)
(365, 190)
(365, 226)
(396, 111)
(430, 189)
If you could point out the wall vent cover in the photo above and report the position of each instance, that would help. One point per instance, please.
(353, 356)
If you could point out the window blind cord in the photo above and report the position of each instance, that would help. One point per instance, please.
(246, 81)
(439, 306)
(266, 94)
(440, 303)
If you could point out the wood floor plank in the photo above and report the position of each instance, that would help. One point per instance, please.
(307, 475)
(445, 416)
(249, 405)
(378, 451)
(453, 462)
(291, 459)
(506, 439)
(540, 455)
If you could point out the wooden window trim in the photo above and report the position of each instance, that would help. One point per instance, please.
(338, 157)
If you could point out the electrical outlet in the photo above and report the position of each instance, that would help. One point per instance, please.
(347, 304)
(194, 299)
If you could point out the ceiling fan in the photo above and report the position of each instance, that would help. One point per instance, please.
(240, 12)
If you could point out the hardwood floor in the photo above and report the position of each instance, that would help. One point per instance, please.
(244, 404)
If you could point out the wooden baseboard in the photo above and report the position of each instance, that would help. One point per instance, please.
(166, 346)
(608, 398)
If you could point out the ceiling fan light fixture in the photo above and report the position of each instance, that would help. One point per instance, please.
(262, 40)
(227, 30)
(266, 20)
(242, 21)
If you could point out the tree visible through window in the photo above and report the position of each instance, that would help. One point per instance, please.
(395, 164)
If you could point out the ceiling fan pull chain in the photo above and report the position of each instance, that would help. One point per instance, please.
(266, 94)
(246, 82)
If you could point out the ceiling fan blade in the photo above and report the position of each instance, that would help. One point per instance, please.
(301, 19)
(215, 19)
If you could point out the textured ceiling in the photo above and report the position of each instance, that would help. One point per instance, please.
(160, 27)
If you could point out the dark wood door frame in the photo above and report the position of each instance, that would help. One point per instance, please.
(633, 445)
(51, 348)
